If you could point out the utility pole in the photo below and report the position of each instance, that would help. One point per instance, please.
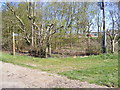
(104, 44)
(13, 43)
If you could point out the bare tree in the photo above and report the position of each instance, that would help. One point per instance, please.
(113, 32)
(32, 17)
(22, 25)
(44, 31)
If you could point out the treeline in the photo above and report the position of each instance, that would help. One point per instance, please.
(56, 27)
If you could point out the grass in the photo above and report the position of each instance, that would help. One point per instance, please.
(100, 69)
(104, 74)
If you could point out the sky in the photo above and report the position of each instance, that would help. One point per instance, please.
(59, 0)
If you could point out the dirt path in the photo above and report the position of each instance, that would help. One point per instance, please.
(14, 76)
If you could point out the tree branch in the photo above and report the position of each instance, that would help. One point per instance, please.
(19, 19)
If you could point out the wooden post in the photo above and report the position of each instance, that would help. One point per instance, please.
(13, 44)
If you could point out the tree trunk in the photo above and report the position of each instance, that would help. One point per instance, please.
(13, 44)
(49, 49)
(112, 46)
(88, 44)
(40, 45)
(104, 30)
(32, 36)
(32, 15)
(46, 52)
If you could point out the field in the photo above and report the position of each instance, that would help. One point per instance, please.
(100, 69)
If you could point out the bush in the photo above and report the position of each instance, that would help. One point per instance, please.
(37, 53)
(94, 48)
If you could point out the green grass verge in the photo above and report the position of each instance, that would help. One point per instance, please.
(105, 74)
(100, 69)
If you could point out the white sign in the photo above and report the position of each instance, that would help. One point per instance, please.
(15, 34)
